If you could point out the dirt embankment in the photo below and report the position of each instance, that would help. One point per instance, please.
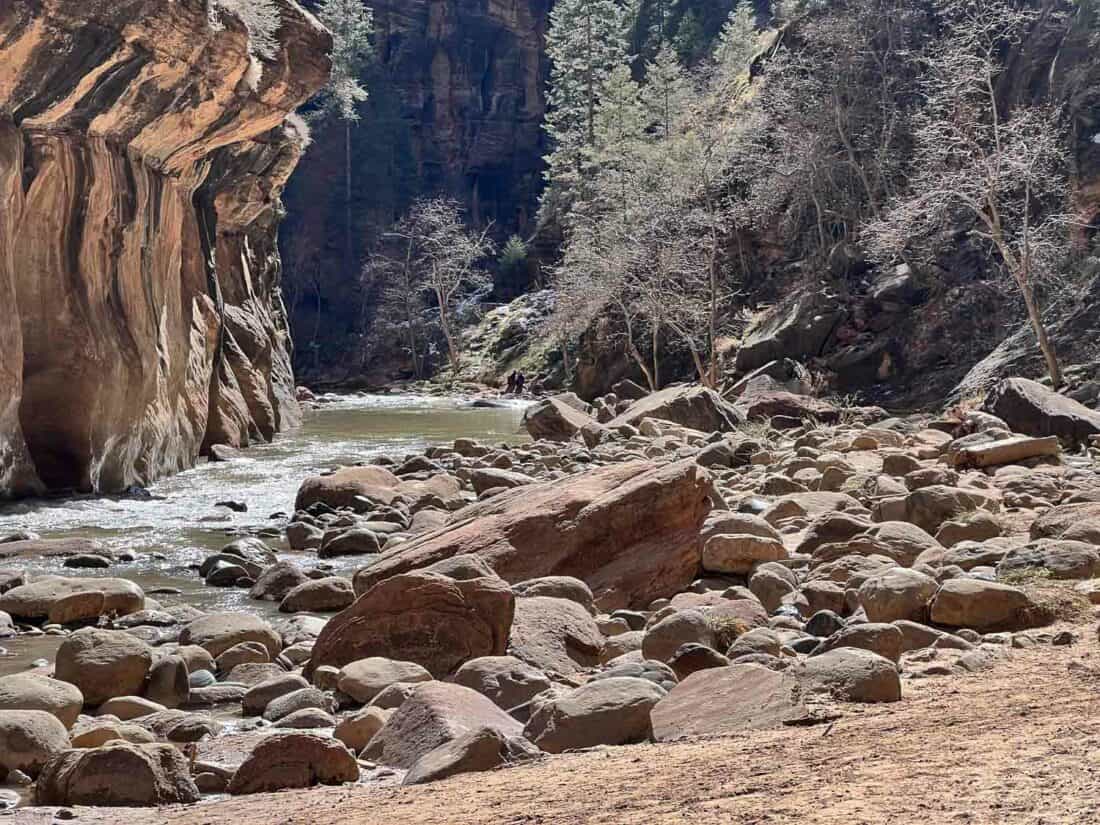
(1017, 744)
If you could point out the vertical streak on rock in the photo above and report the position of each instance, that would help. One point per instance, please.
(140, 182)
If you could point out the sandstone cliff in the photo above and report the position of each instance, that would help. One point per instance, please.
(142, 157)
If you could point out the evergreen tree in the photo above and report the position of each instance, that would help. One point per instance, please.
(667, 93)
(586, 42)
(690, 37)
(352, 26)
(736, 45)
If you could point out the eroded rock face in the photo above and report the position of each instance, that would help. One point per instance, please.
(142, 156)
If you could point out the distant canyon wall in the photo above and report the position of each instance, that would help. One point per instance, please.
(142, 158)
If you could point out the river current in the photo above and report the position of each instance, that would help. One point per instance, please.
(182, 522)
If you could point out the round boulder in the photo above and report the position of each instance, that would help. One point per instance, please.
(103, 664)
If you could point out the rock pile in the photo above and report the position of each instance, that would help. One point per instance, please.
(635, 579)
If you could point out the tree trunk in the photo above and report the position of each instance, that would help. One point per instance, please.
(1054, 369)
(445, 325)
(347, 197)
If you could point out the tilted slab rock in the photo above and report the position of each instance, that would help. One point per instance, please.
(630, 531)
(1005, 451)
(1032, 409)
(697, 408)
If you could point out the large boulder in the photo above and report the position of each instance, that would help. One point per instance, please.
(218, 632)
(1058, 558)
(351, 486)
(897, 593)
(30, 691)
(294, 760)
(117, 774)
(984, 606)
(364, 679)
(929, 507)
(29, 739)
(1032, 409)
(697, 408)
(630, 531)
(851, 674)
(103, 664)
(421, 617)
(506, 680)
(433, 714)
(325, 595)
(477, 750)
(796, 328)
(33, 601)
(555, 635)
(724, 700)
(555, 420)
(1075, 522)
(738, 554)
(611, 711)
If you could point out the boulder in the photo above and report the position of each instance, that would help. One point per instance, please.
(664, 638)
(259, 696)
(897, 593)
(630, 531)
(1004, 451)
(218, 632)
(433, 714)
(725, 700)
(984, 606)
(901, 541)
(877, 637)
(32, 601)
(555, 420)
(478, 750)
(98, 732)
(559, 587)
(1075, 522)
(356, 487)
(508, 681)
(308, 698)
(738, 555)
(364, 679)
(103, 664)
(326, 595)
(929, 507)
(1032, 409)
(168, 683)
(557, 636)
(117, 774)
(695, 407)
(603, 712)
(356, 541)
(1060, 558)
(357, 730)
(29, 739)
(276, 581)
(490, 478)
(422, 617)
(294, 760)
(32, 691)
(852, 675)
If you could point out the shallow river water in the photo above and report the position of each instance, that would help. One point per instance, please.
(183, 524)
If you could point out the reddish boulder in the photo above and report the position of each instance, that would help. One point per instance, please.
(630, 531)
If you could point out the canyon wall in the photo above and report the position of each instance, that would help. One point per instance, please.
(456, 107)
(142, 158)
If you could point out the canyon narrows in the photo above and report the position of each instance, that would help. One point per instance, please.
(143, 153)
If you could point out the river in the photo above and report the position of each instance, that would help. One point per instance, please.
(182, 523)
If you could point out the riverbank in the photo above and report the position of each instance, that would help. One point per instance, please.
(653, 569)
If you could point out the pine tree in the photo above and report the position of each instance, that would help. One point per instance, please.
(586, 42)
(667, 93)
(736, 44)
(352, 26)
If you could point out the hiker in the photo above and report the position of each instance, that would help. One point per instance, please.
(511, 383)
(520, 379)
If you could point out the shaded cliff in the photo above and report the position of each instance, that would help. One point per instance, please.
(142, 157)
(456, 106)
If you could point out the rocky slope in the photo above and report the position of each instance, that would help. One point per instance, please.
(681, 570)
(142, 156)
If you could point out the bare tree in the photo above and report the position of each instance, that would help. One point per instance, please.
(394, 265)
(978, 161)
(447, 255)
